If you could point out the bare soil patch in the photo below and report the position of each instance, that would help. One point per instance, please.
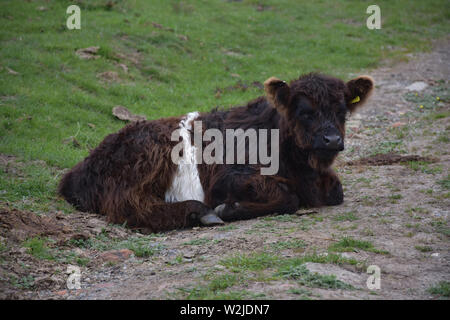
(389, 159)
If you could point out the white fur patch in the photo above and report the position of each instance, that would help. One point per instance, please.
(186, 183)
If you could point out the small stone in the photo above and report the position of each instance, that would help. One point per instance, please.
(124, 67)
(398, 124)
(417, 86)
(60, 216)
(123, 113)
(189, 255)
(22, 250)
(219, 267)
(435, 255)
(93, 223)
(11, 71)
(88, 53)
(61, 293)
(79, 236)
(80, 252)
(116, 255)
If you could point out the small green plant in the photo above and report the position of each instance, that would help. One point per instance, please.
(72, 258)
(385, 147)
(282, 218)
(142, 246)
(423, 248)
(445, 183)
(325, 258)
(292, 244)
(424, 167)
(25, 282)
(222, 282)
(301, 291)
(228, 227)
(178, 260)
(346, 216)
(38, 248)
(441, 225)
(3, 247)
(393, 198)
(314, 280)
(253, 262)
(438, 115)
(348, 244)
(215, 288)
(443, 138)
(441, 289)
(80, 243)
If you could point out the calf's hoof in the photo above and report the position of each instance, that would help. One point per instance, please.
(211, 219)
(227, 211)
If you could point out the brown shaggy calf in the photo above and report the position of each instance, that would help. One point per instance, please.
(130, 177)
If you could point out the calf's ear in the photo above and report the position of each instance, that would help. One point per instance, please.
(277, 92)
(358, 90)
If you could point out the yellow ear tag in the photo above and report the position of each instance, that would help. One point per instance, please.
(357, 99)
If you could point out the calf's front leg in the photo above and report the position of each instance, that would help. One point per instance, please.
(254, 197)
(331, 192)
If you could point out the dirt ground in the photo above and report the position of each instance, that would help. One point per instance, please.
(400, 204)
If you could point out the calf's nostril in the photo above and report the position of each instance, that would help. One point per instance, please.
(332, 141)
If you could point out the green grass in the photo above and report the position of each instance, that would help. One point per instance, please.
(25, 282)
(346, 216)
(438, 115)
(424, 167)
(38, 248)
(348, 244)
(423, 248)
(445, 183)
(441, 226)
(314, 280)
(250, 262)
(264, 267)
(431, 101)
(57, 98)
(259, 261)
(227, 228)
(41, 248)
(3, 247)
(282, 218)
(304, 293)
(290, 244)
(218, 287)
(142, 246)
(31, 186)
(441, 289)
(385, 147)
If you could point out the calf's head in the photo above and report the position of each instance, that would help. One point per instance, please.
(314, 108)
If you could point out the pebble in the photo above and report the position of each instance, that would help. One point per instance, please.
(116, 255)
(189, 255)
(417, 86)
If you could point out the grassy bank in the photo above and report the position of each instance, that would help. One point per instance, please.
(162, 58)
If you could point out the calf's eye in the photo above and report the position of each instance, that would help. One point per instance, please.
(341, 115)
(307, 115)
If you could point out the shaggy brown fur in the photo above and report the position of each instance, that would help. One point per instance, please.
(127, 175)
